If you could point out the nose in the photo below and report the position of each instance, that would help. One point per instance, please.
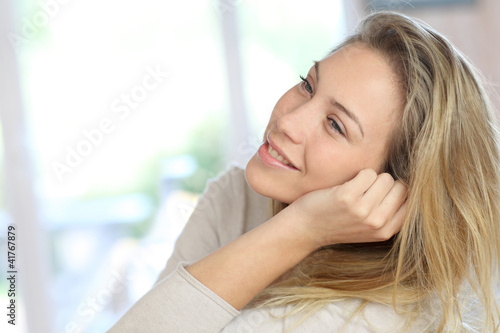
(297, 123)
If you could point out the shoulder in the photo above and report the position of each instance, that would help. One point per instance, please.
(229, 186)
(234, 204)
(378, 317)
(230, 182)
(346, 315)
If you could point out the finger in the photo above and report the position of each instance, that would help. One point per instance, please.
(377, 192)
(395, 198)
(395, 224)
(391, 203)
(361, 183)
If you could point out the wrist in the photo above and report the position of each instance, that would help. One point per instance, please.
(296, 229)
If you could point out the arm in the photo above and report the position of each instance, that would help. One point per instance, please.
(205, 298)
(368, 208)
(178, 302)
(227, 209)
(238, 271)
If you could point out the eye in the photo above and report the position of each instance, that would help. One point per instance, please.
(335, 125)
(307, 85)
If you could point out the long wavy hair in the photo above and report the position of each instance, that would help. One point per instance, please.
(446, 151)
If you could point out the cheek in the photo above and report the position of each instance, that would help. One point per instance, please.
(376, 156)
(336, 173)
(328, 169)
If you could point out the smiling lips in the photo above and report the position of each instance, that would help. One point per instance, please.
(272, 157)
(277, 156)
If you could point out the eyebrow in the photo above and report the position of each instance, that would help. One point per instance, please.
(338, 105)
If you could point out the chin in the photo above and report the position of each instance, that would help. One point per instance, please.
(258, 183)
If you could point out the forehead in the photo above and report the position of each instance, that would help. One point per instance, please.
(362, 80)
(359, 65)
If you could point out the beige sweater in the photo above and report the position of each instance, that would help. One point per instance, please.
(180, 303)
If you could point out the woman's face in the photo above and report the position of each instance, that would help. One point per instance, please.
(329, 127)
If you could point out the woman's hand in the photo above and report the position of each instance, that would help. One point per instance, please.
(368, 208)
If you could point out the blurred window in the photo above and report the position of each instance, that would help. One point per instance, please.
(128, 108)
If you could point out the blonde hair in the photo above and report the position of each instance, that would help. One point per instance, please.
(446, 152)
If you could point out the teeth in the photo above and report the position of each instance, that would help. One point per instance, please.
(277, 156)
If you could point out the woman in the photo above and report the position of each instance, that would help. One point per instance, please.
(383, 169)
